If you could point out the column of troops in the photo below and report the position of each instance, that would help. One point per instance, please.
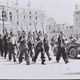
(25, 46)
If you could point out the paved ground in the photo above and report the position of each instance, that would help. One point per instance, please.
(52, 70)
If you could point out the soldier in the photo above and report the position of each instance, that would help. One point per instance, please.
(61, 49)
(1, 45)
(18, 43)
(34, 40)
(46, 46)
(5, 45)
(39, 48)
(30, 45)
(23, 48)
(12, 46)
(52, 43)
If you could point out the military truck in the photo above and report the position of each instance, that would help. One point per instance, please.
(72, 49)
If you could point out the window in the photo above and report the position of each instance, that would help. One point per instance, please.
(30, 12)
(10, 14)
(30, 17)
(36, 13)
(24, 17)
(4, 14)
(30, 24)
(17, 22)
(36, 17)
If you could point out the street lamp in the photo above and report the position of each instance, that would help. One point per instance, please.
(4, 16)
(35, 24)
(42, 18)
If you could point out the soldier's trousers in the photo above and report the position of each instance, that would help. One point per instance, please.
(25, 52)
(61, 52)
(1, 52)
(37, 51)
(31, 53)
(47, 53)
(12, 54)
(5, 52)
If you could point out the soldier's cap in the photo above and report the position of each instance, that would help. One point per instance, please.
(61, 32)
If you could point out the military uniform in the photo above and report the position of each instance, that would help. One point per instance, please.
(12, 46)
(39, 49)
(52, 43)
(1, 46)
(23, 50)
(30, 47)
(46, 48)
(5, 45)
(61, 50)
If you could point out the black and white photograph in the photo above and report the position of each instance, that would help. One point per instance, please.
(39, 39)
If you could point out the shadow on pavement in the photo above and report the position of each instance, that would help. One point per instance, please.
(75, 73)
(77, 58)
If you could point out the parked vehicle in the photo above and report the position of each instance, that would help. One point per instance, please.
(72, 48)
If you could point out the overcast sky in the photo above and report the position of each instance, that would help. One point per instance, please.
(60, 10)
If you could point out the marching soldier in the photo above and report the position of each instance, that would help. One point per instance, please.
(34, 40)
(52, 43)
(30, 45)
(5, 45)
(12, 46)
(18, 43)
(23, 48)
(1, 45)
(61, 49)
(39, 48)
(46, 46)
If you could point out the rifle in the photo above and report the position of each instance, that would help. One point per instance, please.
(42, 29)
(27, 29)
(35, 28)
(43, 37)
(4, 30)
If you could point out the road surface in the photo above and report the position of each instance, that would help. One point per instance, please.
(52, 70)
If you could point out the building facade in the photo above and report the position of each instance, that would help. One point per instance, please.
(21, 18)
(66, 29)
(77, 20)
(54, 29)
